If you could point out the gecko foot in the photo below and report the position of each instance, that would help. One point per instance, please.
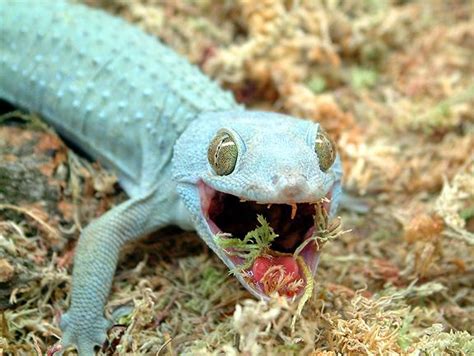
(83, 331)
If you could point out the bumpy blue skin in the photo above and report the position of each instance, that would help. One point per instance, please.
(148, 115)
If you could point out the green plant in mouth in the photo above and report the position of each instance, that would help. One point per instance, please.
(324, 229)
(255, 243)
(258, 241)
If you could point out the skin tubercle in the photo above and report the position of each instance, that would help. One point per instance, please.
(90, 85)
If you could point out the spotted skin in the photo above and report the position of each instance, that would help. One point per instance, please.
(68, 63)
(147, 114)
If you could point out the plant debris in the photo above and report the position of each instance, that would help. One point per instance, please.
(325, 231)
(255, 243)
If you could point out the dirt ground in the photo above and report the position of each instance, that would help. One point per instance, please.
(392, 81)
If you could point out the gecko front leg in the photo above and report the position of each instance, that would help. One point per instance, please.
(84, 325)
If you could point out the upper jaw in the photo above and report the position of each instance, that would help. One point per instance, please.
(269, 193)
(282, 268)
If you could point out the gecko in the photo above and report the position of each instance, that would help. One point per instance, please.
(184, 151)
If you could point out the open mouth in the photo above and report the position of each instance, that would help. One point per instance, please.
(286, 263)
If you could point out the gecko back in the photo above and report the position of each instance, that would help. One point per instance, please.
(123, 99)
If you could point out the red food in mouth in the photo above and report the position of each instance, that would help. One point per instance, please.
(261, 266)
(279, 274)
(277, 269)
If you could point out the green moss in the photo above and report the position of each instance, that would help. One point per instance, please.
(125, 319)
(404, 337)
(437, 342)
(317, 84)
(363, 78)
(441, 115)
(373, 52)
(467, 213)
(254, 244)
(288, 349)
(381, 235)
(211, 277)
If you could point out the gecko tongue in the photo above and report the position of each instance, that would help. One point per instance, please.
(262, 264)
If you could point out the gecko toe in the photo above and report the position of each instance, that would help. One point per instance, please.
(84, 333)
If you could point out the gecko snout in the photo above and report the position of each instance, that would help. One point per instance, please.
(290, 186)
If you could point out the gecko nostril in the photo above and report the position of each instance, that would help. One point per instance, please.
(291, 185)
(275, 179)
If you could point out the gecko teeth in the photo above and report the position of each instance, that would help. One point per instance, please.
(294, 207)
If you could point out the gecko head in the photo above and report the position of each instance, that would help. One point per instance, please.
(256, 184)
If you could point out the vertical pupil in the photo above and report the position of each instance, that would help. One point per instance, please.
(218, 149)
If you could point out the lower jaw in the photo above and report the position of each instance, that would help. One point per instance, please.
(307, 262)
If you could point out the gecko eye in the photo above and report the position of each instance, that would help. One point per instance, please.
(325, 149)
(222, 153)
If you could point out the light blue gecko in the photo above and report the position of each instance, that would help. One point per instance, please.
(184, 151)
